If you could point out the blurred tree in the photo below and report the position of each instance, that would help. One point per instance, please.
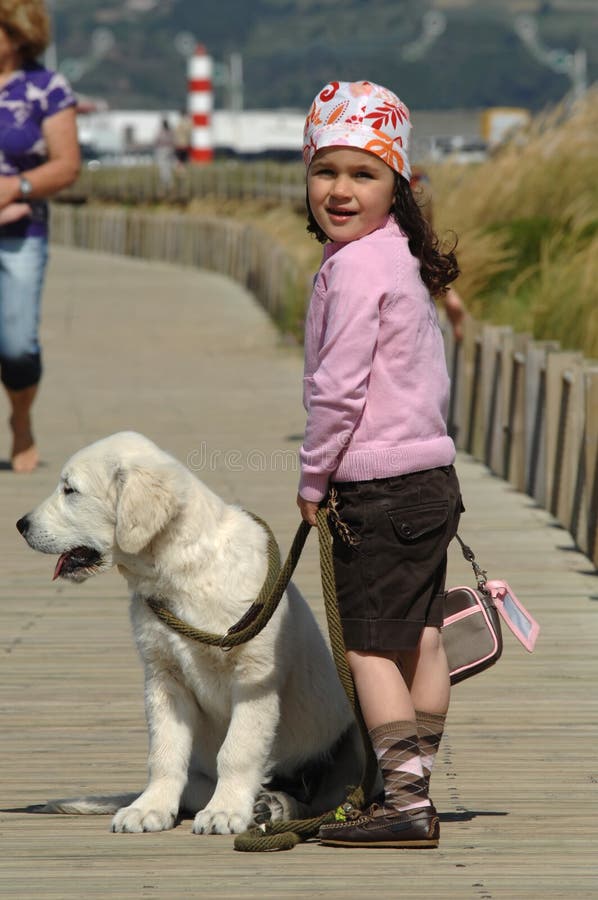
(291, 47)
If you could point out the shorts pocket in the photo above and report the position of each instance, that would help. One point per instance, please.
(416, 524)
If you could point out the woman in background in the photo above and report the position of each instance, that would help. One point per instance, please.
(39, 155)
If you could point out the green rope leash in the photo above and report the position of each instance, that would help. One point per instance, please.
(261, 610)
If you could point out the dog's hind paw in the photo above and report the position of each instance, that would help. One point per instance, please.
(274, 806)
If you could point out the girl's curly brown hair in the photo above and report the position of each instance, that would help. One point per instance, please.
(438, 267)
(27, 24)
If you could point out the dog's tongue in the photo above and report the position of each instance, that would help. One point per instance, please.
(59, 565)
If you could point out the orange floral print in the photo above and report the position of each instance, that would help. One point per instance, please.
(384, 147)
(337, 113)
(388, 112)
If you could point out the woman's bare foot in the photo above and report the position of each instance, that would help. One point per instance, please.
(24, 456)
(13, 212)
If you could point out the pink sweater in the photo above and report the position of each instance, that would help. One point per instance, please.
(376, 385)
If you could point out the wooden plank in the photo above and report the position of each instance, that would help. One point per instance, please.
(535, 418)
(559, 378)
(498, 406)
(588, 524)
(469, 382)
(570, 495)
(515, 414)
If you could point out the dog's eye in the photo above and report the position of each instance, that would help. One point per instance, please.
(67, 489)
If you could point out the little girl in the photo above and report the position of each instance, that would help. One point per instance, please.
(376, 393)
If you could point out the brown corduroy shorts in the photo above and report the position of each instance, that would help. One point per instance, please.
(390, 538)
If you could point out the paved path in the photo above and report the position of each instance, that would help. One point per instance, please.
(190, 360)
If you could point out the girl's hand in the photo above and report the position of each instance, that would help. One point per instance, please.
(308, 510)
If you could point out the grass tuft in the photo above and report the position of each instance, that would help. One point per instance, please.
(527, 221)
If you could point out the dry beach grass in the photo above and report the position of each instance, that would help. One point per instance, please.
(528, 228)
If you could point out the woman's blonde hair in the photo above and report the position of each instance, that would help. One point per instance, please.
(27, 23)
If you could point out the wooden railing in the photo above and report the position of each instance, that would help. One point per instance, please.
(525, 408)
(529, 411)
(277, 182)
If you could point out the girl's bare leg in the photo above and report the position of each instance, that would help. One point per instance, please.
(427, 673)
(381, 688)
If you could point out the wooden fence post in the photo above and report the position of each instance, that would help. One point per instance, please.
(496, 376)
(587, 530)
(559, 381)
(513, 469)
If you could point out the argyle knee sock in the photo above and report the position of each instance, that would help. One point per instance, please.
(397, 750)
(430, 728)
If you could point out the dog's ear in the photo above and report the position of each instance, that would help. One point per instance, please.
(148, 498)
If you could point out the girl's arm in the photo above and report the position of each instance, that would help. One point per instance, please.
(339, 383)
(62, 167)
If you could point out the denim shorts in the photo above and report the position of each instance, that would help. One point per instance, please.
(22, 268)
(390, 540)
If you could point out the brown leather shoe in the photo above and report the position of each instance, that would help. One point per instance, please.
(380, 827)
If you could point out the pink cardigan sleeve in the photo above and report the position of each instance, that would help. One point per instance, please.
(339, 384)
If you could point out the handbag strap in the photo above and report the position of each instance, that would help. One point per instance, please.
(480, 574)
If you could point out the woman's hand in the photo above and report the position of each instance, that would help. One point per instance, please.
(13, 212)
(308, 510)
(9, 189)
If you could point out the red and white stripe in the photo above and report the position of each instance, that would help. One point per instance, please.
(201, 100)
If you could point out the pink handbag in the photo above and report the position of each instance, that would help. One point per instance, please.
(471, 630)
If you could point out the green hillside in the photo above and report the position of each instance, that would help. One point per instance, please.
(291, 47)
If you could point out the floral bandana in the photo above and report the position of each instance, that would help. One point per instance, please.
(363, 115)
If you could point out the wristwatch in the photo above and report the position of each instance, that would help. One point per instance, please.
(25, 187)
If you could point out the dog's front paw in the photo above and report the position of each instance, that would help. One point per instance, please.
(212, 821)
(134, 819)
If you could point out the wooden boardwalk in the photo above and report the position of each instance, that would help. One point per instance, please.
(190, 360)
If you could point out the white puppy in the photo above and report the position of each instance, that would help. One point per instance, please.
(226, 727)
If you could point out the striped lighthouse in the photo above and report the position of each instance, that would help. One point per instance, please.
(201, 100)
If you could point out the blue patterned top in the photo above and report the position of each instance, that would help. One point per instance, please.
(32, 94)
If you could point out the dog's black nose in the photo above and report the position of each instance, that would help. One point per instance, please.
(23, 525)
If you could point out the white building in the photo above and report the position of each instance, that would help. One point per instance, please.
(250, 132)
